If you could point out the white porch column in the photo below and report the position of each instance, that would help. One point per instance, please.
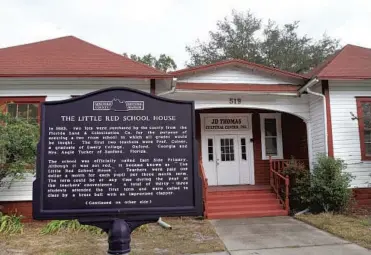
(309, 142)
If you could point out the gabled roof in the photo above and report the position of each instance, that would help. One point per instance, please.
(241, 63)
(351, 62)
(70, 57)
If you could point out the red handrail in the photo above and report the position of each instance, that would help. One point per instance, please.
(275, 181)
(204, 186)
(280, 164)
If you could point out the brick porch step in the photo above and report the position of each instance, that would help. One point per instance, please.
(262, 191)
(244, 207)
(244, 201)
(247, 214)
(239, 203)
(234, 196)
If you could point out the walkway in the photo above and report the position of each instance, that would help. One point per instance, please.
(280, 236)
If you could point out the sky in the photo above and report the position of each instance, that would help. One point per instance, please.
(168, 26)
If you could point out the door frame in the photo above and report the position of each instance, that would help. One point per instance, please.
(248, 133)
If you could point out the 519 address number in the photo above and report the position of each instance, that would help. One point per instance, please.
(235, 101)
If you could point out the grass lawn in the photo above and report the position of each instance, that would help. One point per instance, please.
(187, 236)
(356, 229)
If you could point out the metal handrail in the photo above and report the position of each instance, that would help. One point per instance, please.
(275, 182)
(280, 164)
(204, 187)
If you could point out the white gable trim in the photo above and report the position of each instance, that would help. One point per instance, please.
(236, 74)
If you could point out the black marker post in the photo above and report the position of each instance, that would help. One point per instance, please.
(119, 232)
(116, 159)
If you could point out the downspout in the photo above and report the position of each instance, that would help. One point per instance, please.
(308, 85)
(172, 90)
(163, 224)
(306, 88)
(324, 114)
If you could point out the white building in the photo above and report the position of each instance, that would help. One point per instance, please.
(245, 113)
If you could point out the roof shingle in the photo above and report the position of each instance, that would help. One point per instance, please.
(351, 62)
(70, 57)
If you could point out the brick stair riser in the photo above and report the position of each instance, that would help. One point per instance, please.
(239, 192)
(244, 208)
(240, 196)
(243, 202)
(252, 214)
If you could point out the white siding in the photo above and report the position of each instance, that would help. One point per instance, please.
(317, 124)
(55, 89)
(345, 130)
(164, 85)
(18, 190)
(236, 75)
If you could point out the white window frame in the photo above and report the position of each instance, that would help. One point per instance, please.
(276, 116)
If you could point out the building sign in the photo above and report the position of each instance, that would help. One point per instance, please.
(226, 123)
(117, 152)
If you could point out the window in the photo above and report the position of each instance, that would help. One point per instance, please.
(29, 112)
(26, 108)
(243, 149)
(271, 135)
(364, 124)
(227, 149)
(210, 149)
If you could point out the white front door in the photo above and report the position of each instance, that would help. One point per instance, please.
(227, 160)
(227, 151)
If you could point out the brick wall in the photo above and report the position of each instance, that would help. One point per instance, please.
(362, 198)
(23, 208)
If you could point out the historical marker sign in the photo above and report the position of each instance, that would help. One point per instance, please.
(117, 153)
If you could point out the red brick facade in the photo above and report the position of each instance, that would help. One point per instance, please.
(23, 208)
(362, 198)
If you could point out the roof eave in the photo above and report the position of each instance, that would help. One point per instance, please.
(136, 76)
(344, 77)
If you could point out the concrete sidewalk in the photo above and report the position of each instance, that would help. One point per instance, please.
(280, 235)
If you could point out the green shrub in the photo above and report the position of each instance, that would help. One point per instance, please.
(330, 190)
(10, 224)
(56, 226)
(18, 141)
(299, 185)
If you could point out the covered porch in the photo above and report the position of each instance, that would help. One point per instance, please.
(235, 144)
(247, 114)
(242, 154)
